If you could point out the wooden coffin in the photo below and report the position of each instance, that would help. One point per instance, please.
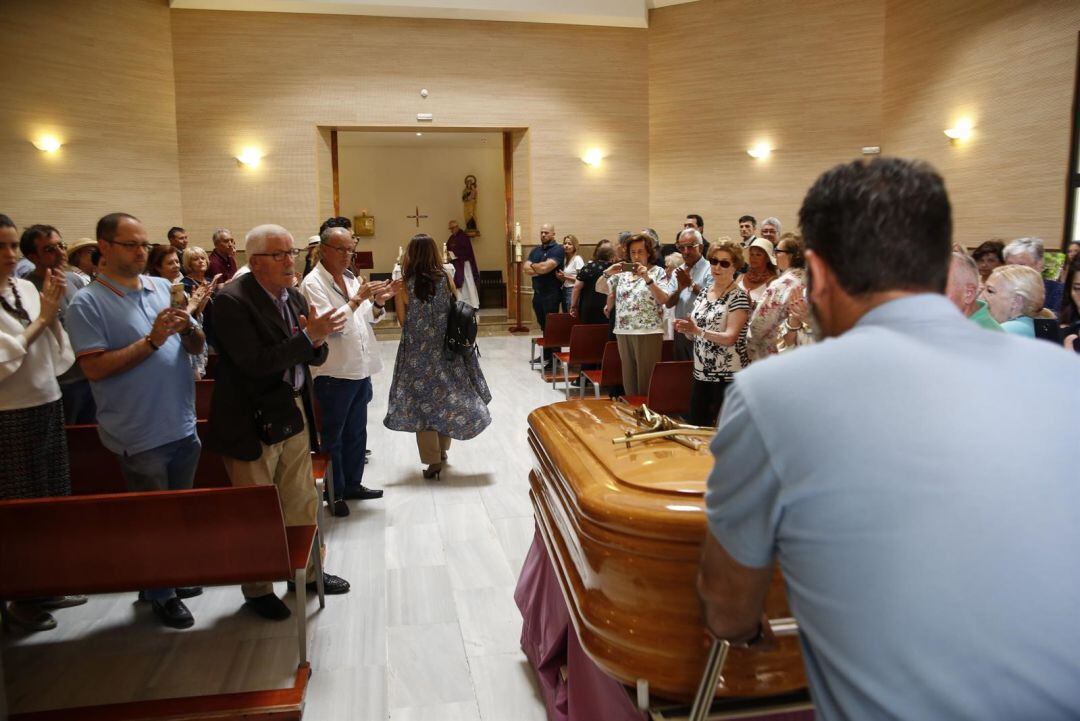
(623, 528)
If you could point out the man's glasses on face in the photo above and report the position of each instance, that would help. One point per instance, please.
(130, 245)
(344, 251)
(54, 248)
(684, 246)
(279, 255)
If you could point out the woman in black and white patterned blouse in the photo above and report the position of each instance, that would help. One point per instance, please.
(717, 325)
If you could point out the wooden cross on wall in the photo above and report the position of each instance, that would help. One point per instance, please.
(416, 217)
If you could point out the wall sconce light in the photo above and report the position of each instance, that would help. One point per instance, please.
(961, 131)
(251, 157)
(593, 157)
(759, 151)
(48, 143)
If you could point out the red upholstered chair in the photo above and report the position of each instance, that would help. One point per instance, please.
(667, 351)
(610, 371)
(556, 334)
(586, 348)
(669, 388)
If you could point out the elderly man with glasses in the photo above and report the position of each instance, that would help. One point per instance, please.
(343, 384)
(261, 415)
(136, 350)
(690, 280)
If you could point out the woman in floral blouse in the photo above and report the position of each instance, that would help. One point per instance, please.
(717, 325)
(639, 312)
(771, 325)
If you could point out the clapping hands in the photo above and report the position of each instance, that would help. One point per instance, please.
(52, 292)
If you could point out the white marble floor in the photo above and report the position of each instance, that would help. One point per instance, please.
(429, 630)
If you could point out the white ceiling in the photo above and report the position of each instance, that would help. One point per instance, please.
(609, 13)
(429, 139)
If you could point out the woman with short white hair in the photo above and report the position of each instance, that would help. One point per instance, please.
(1014, 295)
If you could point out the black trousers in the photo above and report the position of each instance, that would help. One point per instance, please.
(706, 400)
(544, 302)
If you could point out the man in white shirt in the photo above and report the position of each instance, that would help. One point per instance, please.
(688, 282)
(343, 382)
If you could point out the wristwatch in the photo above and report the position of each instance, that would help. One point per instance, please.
(151, 343)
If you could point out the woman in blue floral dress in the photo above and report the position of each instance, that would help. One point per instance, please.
(435, 394)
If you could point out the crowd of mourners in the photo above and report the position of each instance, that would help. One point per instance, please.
(730, 302)
(114, 331)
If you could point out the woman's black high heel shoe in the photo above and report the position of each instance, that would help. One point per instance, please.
(432, 471)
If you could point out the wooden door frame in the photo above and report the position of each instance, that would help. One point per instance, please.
(512, 310)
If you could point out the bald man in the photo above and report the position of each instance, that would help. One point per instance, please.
(962, 289)
(543, 261)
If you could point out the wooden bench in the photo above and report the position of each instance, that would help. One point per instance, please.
(216, 537)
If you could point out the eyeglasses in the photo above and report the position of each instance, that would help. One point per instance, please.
(721, 263)
(279, 255)
(130, 246)
(54, 248)
(344, 251)
(685, 246)
(780, 250)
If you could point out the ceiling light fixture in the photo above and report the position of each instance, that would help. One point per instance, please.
(593, 157)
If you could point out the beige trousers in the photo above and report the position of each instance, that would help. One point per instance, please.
(432, 445)
(287, 465)
(639, 353)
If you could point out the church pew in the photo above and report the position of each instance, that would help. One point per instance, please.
(217, 537)
(95, 469)
(284, 704)
(204, 391)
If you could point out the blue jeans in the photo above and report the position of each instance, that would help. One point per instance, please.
(344, 405)
(567, 295)
(170, 467)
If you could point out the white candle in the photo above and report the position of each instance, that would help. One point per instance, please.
(517, 232)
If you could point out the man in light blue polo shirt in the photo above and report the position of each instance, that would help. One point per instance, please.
(689, 281)
(908, 474)
(134, 348)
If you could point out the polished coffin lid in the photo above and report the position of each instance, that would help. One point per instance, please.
(623, 527)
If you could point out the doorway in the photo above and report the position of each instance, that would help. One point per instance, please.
(395, 183)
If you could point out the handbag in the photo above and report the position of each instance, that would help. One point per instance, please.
(276, 415)
(461, 328)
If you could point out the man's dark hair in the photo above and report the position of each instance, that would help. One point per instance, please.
(30, 237)
(6, 222)
(339, 221)
(744, 218)
(880, 226)
(697, 218)
(173, 231)
(106, 227)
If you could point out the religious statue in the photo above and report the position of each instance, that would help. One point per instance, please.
(468, 200)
